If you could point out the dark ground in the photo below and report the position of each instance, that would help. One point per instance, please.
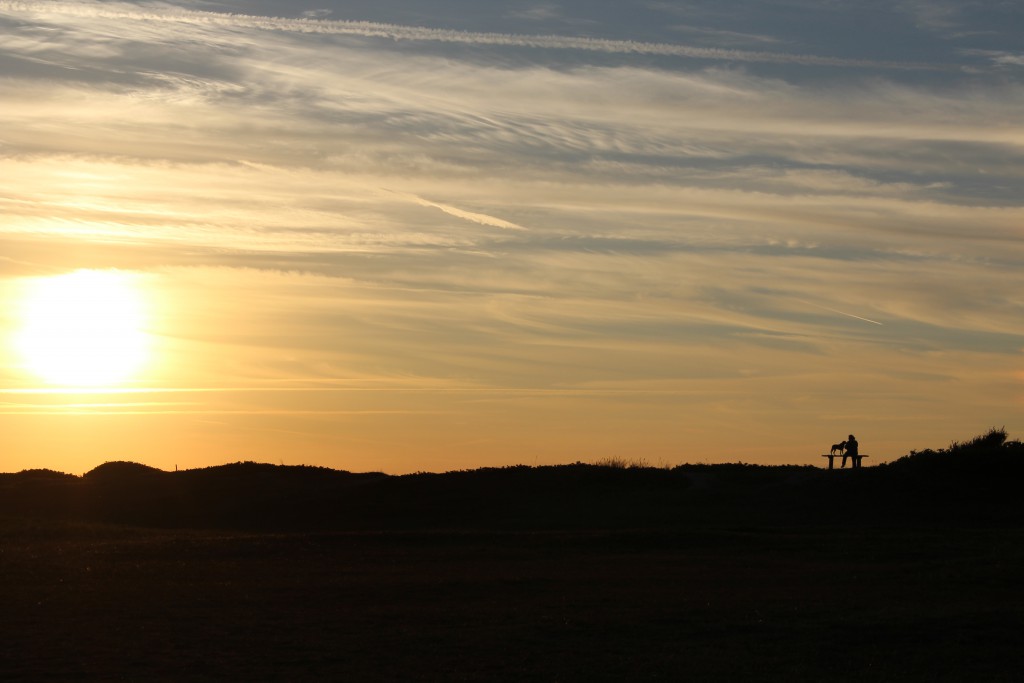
(905, 572)
(108, 603)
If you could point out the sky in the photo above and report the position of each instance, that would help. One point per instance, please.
(410, 236)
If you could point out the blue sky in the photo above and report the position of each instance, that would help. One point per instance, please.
(407, 235)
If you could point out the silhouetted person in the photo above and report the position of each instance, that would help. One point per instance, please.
(851, 452)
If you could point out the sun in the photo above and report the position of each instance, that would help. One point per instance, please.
(83, 329)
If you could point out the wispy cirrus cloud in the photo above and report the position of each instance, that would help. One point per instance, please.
(999, 57)
(125, 11)
(567, 232)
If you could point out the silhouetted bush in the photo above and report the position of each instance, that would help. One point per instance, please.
(978, 456)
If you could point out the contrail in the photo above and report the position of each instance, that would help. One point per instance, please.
(122, 11)
(848, 315)
(481, 218)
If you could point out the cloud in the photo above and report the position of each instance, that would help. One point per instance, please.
(934, 15)
(999, 57)
(540, 223)
(317, 13)
(127, 12)
(730, 37)
(537, 13)
(481, 218)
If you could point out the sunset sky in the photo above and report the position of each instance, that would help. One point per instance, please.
(410, 235)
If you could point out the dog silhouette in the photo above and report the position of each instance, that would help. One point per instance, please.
(838, 448)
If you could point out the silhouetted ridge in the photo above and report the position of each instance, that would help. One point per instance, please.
(120, 469)
(38, 475)
(974, 482)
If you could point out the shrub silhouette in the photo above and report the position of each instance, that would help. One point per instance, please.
(975, 481)
(979, 455)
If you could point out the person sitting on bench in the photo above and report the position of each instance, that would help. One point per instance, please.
(851, 452)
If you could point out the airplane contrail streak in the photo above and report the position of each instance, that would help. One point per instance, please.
(834, 310)
(125, 11)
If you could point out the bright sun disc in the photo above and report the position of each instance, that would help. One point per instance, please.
(83, 329)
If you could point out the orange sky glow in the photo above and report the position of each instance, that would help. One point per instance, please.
(377, 241)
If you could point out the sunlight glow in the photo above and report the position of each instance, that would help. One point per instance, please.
(83, 329)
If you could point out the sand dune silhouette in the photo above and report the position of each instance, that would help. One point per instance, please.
(970, 481)
(906, 571)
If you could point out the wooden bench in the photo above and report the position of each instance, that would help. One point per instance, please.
(832, 456)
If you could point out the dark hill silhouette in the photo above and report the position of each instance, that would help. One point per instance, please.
(36, 475)
(121, 471)
(975, 482)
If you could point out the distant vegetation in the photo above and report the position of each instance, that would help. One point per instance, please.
(610, 571)
(972, 482)
(989, 449)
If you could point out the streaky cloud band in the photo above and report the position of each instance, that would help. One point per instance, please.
(397, 32)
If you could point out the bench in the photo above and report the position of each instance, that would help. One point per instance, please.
(832, 456)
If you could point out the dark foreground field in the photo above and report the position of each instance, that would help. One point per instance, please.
(768, 604)
(909, 572)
